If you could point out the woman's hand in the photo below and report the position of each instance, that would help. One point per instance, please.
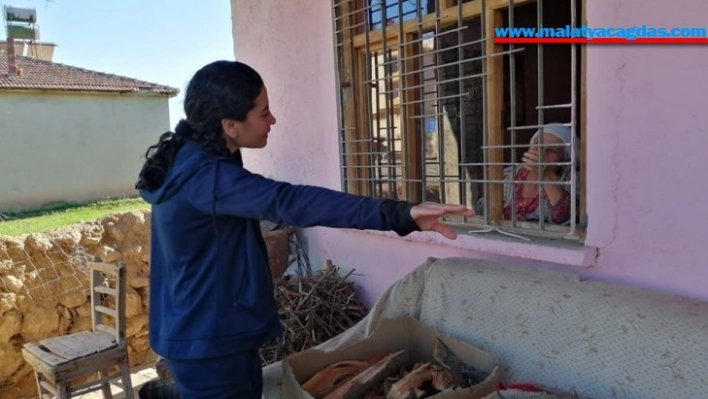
(426, 215)
(531, 160)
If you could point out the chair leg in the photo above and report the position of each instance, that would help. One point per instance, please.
(127, 383)
(38, 378)
(42, 391)
(64, 390)
(106, 386)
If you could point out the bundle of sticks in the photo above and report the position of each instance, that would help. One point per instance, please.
(312, 309)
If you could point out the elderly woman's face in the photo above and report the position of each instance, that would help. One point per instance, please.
(553, 153)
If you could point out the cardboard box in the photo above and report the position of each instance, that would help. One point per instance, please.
(393, 335)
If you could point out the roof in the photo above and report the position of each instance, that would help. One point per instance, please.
(46, 75)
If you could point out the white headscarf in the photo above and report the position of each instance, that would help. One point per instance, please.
(564, 133)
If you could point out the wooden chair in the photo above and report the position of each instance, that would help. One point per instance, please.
(59, 361)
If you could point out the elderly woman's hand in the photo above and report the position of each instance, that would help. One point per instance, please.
(531, 159)
(426, 215)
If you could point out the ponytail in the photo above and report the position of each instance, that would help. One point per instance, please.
(161, 156)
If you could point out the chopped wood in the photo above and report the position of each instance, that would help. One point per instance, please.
(388, 383)
(407, 387)
(370, 377)
(330, 378)
(444, 379)
(313, 309)
(447, 359)
(393, 376)
(424, 380)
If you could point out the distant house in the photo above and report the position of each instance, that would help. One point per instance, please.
(71, 134)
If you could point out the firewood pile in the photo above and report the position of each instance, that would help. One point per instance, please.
(393, 376)
(312, 309)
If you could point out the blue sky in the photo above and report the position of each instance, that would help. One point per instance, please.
(161, 41)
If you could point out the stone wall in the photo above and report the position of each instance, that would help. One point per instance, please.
(44, 289)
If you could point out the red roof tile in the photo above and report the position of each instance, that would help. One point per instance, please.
(45, 75)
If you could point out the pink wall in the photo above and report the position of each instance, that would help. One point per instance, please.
(647, 141)
(648, 132)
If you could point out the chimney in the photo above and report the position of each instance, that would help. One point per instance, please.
(11, 60)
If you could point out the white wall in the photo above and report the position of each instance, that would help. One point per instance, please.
(74, 147)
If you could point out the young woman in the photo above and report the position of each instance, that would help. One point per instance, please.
(212, 304)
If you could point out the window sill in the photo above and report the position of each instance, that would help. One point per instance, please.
(556, 251)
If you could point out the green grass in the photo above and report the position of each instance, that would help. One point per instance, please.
(39, 220)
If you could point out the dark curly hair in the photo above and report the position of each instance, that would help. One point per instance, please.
(220, 90)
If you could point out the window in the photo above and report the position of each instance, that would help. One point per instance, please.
(433, 110)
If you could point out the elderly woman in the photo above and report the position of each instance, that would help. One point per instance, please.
(556, 197)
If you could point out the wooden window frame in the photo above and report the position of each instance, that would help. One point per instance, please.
(356, 150)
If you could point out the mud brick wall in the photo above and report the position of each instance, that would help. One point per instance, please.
(44, 289)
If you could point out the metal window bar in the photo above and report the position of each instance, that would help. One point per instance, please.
(462, 187)
(512, 106)
(573, 124)
(421, 94)
(338, 76)
(389, 118)
(479, 75)
(440, 117)
(374, 186)
(397, 6)
(403, 110)
(389, 110)
(540, 110)
(485, 123)
(356, 11)
(421, 38)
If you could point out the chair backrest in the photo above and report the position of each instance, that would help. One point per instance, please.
(108, 300)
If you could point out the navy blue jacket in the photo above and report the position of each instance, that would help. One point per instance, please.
(211, 291)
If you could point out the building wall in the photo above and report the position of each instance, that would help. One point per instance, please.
(646, 146)
(74, 147)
